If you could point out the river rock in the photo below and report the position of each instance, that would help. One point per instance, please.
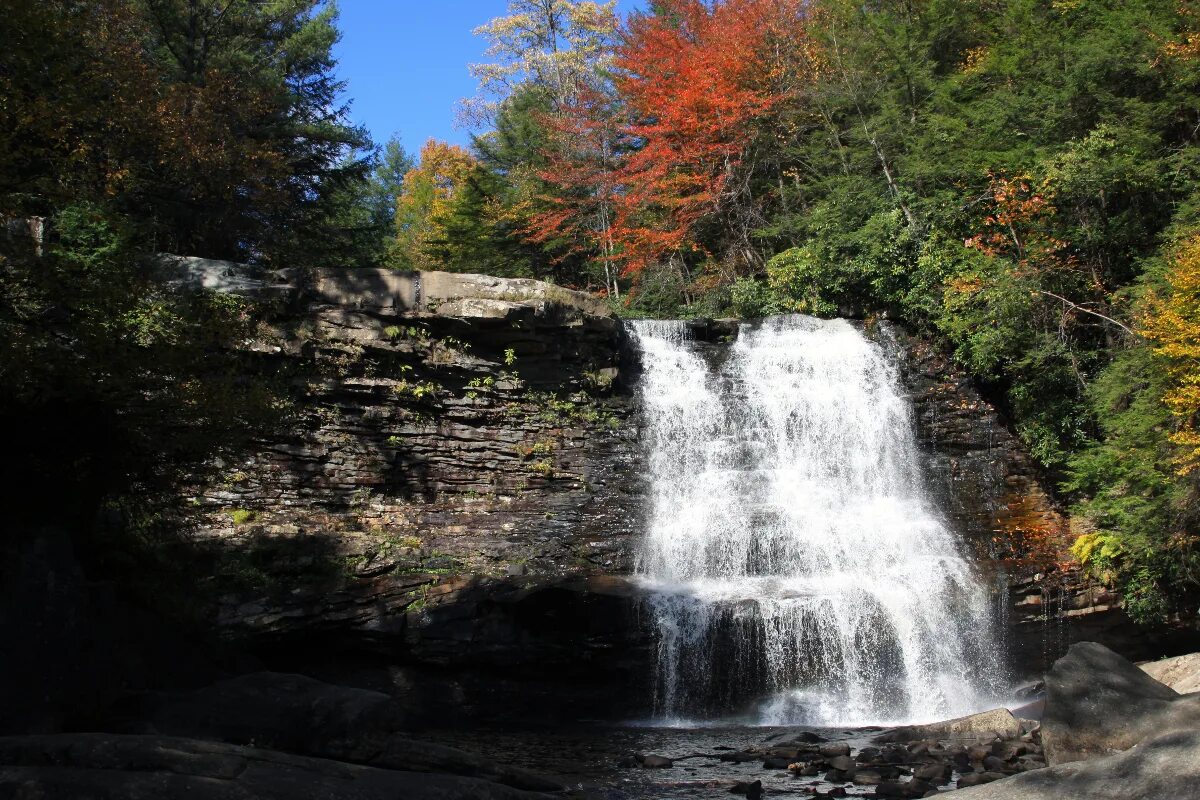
(141, 767)
(995, 764)
(933, 772)
(1098, 703)
(868, 777)
(1165, 767)
(1181, 673)
(913, 788)
(833, 749)
(997, 722)
(842, 763)
(657, 762)
(752, 791)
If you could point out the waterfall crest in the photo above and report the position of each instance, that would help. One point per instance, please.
(793, 559)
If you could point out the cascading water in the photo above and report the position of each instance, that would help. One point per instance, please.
(792, 557)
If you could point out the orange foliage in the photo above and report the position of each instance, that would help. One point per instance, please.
(1029, 533)
(1016, 225)
(427, 200)
(1187, 48)
(696, 78)
(1173, 325)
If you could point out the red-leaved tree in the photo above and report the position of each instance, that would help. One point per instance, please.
(583, 152)
(698, 80)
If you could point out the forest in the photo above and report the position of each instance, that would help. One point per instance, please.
(1018, 181)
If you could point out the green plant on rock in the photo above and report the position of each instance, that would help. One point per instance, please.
(352, 565)
(243, 516)
(415, 390)
(420, 599)
(1099, 553)
(599, 380)
(538, 448)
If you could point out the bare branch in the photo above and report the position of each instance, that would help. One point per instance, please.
(1085, 310)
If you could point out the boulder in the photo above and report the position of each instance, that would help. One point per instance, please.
(276, 710)
(842, 763)
(997, 722)
(753, 791)
(933, 772)
(1164, 767)
(410, 755)
(297, 714)
(142, 767)
(1181, 673)
(1097, 703)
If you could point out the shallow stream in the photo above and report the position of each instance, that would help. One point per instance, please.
(597, 759)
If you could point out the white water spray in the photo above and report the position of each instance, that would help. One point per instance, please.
(792, 556)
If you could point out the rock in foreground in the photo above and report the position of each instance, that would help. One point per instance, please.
(997, 722)
(1097, 704)
(297, 714)
(1181, 673)
(125, 767)
(1163, 768)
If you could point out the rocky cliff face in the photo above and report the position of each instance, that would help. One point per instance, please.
(459, 462)
(457, 484)
(990, 490)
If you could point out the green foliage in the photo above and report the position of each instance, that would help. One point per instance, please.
(750, 298)
(242, 516)
(416, 390)
(90, 340)
(1127, 493)
(809, 284)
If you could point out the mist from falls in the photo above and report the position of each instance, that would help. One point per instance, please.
(794, 562)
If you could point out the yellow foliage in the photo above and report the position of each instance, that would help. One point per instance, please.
(427, 200)
(974, 60)
(1172, 324)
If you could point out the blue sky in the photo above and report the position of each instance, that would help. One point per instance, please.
(405, 62)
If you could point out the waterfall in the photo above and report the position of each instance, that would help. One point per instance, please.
(793, 560)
